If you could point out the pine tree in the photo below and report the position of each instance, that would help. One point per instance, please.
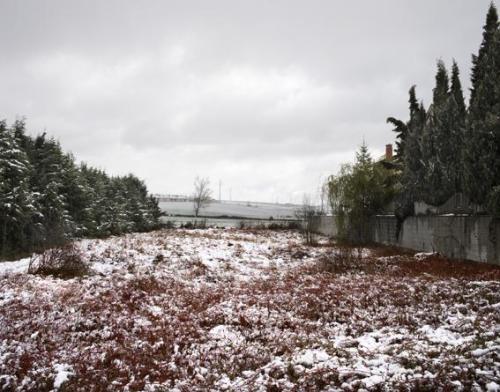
(16, 204)
(494, 115)
(441, 91)
(455, 119)
(77, 195)
(409, 156)
(363, 157)
(401, 130)
(478, 71)
(413, 167)
(437, 184)
(457, 92)
(154, 212)
(482, 152)
(49, 183)
(442, 139)
(46, 199)
(97, 183)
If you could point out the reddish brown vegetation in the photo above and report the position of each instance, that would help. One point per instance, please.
(149, 329)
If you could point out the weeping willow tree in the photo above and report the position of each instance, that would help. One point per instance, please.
(358, 192)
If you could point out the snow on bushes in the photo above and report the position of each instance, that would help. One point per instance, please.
(249, 311)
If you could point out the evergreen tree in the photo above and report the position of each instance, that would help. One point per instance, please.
(50, 170)
(456, 91)
(45, 199)
(414, 106)
(97, 183)
(454, 120)
(478, 68)
(401, 129)
(360, 191)
(16, 202)
(436, 186)
(77, 196)
(482, 152)
(441, 91)
(442, 139)
(413, 166)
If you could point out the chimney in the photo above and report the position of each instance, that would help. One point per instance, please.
(388, 152)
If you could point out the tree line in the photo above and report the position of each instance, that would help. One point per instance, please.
(442, 150)
(450, 148)
(46, 198)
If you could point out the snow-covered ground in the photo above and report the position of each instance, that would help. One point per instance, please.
(232, 208)
(233, 310)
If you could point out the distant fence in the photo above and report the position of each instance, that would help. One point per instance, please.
(180, 221)
(461, 237)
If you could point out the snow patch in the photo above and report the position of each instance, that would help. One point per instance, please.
(18, 266)
(442, 335)
(492, 387)
(63, 373)
(225, 334)
(370, 382)
(312, 356)
(424, 255)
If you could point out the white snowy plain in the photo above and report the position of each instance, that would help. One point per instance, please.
(236, 310)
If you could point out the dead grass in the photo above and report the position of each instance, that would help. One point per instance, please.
(129, 331)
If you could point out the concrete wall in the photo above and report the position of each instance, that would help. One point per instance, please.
(325, 225)
(462, 237)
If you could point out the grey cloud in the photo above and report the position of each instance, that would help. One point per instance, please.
(268, 96)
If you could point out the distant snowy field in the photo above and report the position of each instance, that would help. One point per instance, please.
(232, 208)
(232, 310)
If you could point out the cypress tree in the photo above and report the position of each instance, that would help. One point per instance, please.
(401, 130)
(456, 91)
(442, 140)
(412, 165)
(433, 136)
(433, 185)
(456, 117)
(478, 71)
(482, 151)
(441, 91)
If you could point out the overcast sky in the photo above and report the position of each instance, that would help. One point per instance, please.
(267, 96)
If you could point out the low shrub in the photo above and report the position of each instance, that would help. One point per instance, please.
(169, 225)
(346, 259)
(63, 262)
(188, 225)
(196, 224)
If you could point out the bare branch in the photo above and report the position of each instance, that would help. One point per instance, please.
(202, 195)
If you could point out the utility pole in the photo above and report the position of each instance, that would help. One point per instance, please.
(220, 187)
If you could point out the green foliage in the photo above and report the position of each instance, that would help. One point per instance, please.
(482, 154)
(358, 192)
(442, 139)
(457, 93)
(46, 199)
(441, 91)
(412, 159)
(401, 129)
(17, 204)
(493, 202)
(448, 149)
